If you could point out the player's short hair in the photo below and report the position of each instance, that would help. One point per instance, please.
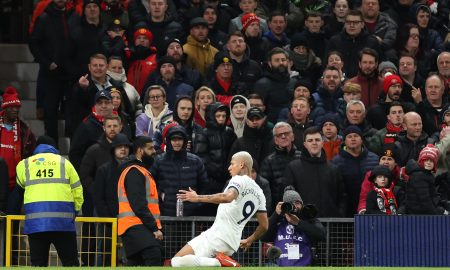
(246, 158)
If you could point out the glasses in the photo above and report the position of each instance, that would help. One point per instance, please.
(155, 97)
(283, 134)
(353, 22)
(414, 35)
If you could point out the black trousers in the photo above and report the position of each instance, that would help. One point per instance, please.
(150, 256)
(65, 244)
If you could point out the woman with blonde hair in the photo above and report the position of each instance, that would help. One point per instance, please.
(203, 97)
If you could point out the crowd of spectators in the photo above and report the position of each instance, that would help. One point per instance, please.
(319, 95)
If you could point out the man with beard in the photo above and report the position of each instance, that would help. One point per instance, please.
(318, 181)
(115, 11)
(392, 86)
(431, 109)
(245, 70)
(198, 48)
(257, 139)
(275, 86)
(169, 79)
(371, 84)
(327, 97)
(138, 220)
(443, 64)
(130, 97)
(407, 70)
(389, 133)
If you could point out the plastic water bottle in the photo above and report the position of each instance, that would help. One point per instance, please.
(179, 208)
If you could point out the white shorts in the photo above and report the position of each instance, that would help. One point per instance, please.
(207, 245)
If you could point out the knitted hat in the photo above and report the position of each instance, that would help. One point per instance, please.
(237, 99)
(352, 129)
(116, 24)
(143, 32)
(87, 2)
(290, 195)
(166, 60)
(330, 117)
(381, 170)
(429, 152)
(255, 112)
(220, 58)
(306, 83)
(46, 140)
(11, 98)
(299, 40)
(170, 41)
(390, 150)
(247, 19)
(391, 80)
(387, 64)
(120, 139)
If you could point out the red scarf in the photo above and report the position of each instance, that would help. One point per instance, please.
(225, 85)
(386, 200)
(11, 149)
(392, 133)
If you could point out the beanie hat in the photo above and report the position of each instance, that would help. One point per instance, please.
(306, 83)
(391, 80)
(237, 99)
(330, 117)
(352, 129)
(380, 170)
(220, 58)
(166, 60)
(390, 150)
(143, 32)
(247, 19)
(120, 139)
(44, 139)
(11, 98)
(429, 152)
(298, 40)
(87, 2)
(170, 41)
(387, 64)
(291, 196)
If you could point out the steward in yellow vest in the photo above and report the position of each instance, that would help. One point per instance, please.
(52, 197)
(139, 224)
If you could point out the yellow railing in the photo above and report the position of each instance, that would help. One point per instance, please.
(14, 235)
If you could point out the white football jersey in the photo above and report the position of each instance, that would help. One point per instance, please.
(232, 217)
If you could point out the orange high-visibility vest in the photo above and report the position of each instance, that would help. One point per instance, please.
(127, 218)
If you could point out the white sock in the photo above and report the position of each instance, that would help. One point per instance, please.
(192, 261)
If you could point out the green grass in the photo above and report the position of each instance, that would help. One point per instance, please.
(280, 268)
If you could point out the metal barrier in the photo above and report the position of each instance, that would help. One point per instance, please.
(337, 250)
(100, 234)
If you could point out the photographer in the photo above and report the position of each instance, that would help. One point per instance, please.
(294, 229)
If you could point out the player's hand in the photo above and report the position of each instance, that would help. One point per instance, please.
(416, 94)
(292, 219)
(187, 195)
(83, 81)
(278, 208)
(158, 235)
(245, 244)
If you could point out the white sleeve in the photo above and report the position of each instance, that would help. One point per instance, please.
(237, 183)
(262, 206)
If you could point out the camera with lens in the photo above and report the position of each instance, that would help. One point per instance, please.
(288, 208)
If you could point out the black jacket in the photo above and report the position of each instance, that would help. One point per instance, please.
(105, 189)
(376, 115)
(258, 48)
(319, 183)
(408, 149)
(163, 31)
(431, 117)
(4, 192)
(214, 145)
(421, 194)
(246, 72)
(178, 170)
(256, 141)
(372, 204)
(50, 42)
(273, 167)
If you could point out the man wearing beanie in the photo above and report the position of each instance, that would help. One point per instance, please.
(17, 141)
(431, 109)
(332, 141)
(241, 22)
(392, 128)
(388, 159)
(239, 106)
(198, 49)
(353, 161)
(386, 67)
(367, 77)
(169, 79)
(142, 59)
(257, 45)
(392, 88)
(312, 174)
(294, 228)
(421, 194)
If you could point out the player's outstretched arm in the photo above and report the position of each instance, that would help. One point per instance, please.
(191, 196)
(263, 226)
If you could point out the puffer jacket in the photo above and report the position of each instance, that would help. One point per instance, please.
(409, 149)
(214, 148)
(386, 29)
(173, 171)
(273, 167)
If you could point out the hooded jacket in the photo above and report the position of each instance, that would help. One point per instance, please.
(409, 149)
(178, 170)
(199, 55)
(215, 145)
(238, 126)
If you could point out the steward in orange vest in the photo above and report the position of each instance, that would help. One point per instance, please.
(139, 224)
